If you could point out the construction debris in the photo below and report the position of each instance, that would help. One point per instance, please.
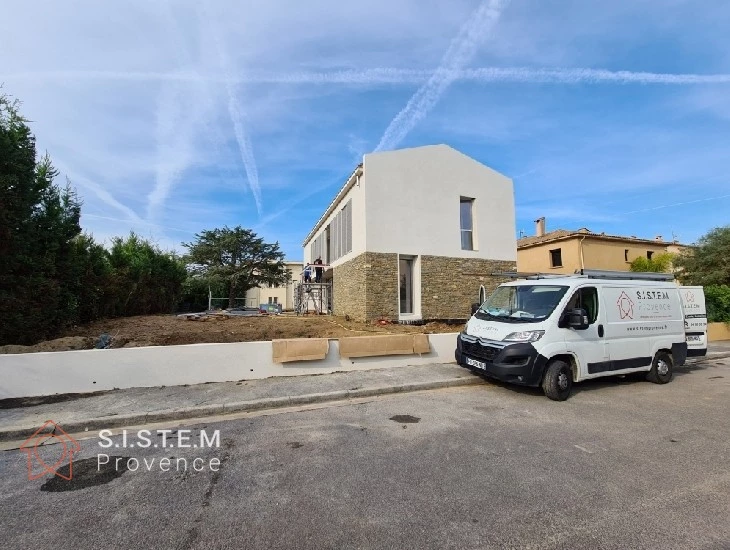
(217, 315)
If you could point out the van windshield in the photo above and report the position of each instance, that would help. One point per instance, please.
(523, 303)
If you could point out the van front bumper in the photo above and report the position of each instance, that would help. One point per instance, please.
(518, 363)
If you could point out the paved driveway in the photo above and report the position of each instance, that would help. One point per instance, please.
(622, 464)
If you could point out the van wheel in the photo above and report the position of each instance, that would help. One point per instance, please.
(661, 368)
(558, 380)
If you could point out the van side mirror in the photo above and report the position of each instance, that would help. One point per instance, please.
(576, 319)
(474, 308)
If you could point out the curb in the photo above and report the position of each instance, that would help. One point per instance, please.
(94, 424)
(710, 357)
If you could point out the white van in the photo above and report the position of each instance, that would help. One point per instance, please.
(551, 331)
(695, 319)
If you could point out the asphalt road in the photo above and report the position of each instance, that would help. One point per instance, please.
(622, 464)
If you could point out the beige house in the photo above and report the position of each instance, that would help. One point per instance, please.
(565, 251)
(414, 234)
(283, 295)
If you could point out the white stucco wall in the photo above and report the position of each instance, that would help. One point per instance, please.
(357, 195)
(412, 198)
(49, 373)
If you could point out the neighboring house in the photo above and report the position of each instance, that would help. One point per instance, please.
(413, 234)
(564, 251)
(283, 295)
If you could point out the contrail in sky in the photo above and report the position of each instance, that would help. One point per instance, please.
(392, 76)
(237, 117)
(461, 51)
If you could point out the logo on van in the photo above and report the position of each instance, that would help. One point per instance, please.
(689, 296)
(625, 306)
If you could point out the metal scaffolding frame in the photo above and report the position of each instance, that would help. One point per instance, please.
(313, 297)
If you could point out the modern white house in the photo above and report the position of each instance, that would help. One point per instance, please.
(414, 234)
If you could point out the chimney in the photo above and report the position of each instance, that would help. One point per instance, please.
(540, 227)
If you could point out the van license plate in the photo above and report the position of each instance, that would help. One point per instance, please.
(694, 338)
(474, 363)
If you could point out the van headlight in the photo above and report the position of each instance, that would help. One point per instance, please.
(524, 336)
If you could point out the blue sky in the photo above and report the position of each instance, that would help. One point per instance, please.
(173, 117)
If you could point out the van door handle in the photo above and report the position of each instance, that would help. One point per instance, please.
(600, 331)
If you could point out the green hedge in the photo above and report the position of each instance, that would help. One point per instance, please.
(717, 298)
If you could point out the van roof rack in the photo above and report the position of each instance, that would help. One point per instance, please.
(517, 275)
(591, 274)
(626, 275)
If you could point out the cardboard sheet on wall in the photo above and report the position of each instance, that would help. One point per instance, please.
(299, 349)
(394, 344)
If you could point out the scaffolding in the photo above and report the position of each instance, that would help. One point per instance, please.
(313, 298)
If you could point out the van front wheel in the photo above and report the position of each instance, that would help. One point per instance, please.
(558, 380)
(661, 368)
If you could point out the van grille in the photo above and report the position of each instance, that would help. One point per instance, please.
(479, 351)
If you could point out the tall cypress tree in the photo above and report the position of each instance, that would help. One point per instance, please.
(38, 222)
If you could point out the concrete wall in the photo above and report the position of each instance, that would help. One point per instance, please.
(49, 373)
(718, 332)
(413, 204)
(597, 254)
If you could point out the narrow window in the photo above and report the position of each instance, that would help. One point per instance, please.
(556, 258)
(347, 210)
(276, 299)
(626, 255)
(649, 254)
(271, 301)
(405, 269)
(467, 223)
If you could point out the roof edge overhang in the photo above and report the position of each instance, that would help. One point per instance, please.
(612, 238)
(338, 198)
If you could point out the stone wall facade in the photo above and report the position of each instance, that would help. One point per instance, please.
(366, 287)
(382, 286)
(348, 288)
(449, 286)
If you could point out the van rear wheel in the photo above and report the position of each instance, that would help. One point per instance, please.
(662, 368)
(558, 381)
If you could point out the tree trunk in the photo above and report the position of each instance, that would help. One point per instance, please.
(231, 295)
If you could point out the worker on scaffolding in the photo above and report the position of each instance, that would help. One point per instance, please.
(318, 270)
(308, 273)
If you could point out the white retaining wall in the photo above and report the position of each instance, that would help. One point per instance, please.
(48, 373)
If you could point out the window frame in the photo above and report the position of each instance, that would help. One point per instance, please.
(560, 256)
(470, 230)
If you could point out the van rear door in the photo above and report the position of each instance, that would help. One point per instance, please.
(695, 320)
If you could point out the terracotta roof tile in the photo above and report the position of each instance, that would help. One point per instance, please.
(560, 234)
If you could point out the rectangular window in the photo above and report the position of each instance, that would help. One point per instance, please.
(276, 299)
(556, 258)
(649, 254)
(626, 255)
(337, 235)
(271, 300)
(405, 273)
(347, 211)
(466, 215)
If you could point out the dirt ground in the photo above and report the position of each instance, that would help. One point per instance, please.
(167, 330)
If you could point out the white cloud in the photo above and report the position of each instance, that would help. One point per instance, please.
(461, 51)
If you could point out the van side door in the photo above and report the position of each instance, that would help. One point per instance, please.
(588, 345)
